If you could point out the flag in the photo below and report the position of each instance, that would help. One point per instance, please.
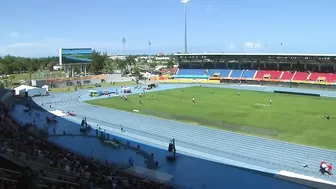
(281, 43)
(149, 43)
(123, 40)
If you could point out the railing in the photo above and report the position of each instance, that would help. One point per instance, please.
(135, 174)
(67, 183)
(36, 164)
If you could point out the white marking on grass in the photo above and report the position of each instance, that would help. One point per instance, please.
(251, 86)
(321, 116)
(259, 104)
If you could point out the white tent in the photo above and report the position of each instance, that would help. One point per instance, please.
(45, 87)
(32, 91)
(126, 90)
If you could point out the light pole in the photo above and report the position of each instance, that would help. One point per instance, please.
(185, 2)
(149, 44)
(123, 42)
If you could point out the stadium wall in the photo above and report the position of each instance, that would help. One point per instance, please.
(279, 84)
(190, 81)
(252, 82)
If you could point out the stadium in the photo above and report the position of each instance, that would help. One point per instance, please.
(265, 119)
(128, 113)
(294, 68)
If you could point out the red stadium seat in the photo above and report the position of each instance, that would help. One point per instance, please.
(315, 75)
(301, 76)
(287, 75)
(331, 78)
(268, 74)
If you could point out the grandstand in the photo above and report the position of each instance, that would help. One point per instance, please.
(311, 68)
(29, 161)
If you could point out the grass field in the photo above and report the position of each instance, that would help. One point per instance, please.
(298, 119)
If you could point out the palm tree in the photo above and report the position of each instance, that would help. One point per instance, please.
(130, 62)
(109, 66)
(170, 64)
(136, 70)
(121, 65)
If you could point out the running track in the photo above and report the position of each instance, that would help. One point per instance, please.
(206, 143)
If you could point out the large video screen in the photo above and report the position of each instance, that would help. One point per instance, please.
(76, 56)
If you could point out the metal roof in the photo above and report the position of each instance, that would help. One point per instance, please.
(256, 54)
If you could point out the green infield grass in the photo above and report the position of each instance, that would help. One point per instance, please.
(293, 118)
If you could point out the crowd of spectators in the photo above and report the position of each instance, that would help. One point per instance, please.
(41, 164)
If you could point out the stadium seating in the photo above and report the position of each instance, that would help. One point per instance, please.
(300, 76)
(287, 75)
(222, 72)
(173, 71)
(268, 74)
(315, 76)
(331, 78)
(28, 161)
(191, 72)
(248, 74)
(236, 73)
(257, 74)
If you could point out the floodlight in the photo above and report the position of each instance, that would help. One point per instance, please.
(185, 1)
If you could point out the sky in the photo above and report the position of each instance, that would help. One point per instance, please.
(38, 28)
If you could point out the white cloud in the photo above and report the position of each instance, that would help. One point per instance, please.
(14, 34)
(232, 47)
(24, 45)
(252, 45)
(50, 46)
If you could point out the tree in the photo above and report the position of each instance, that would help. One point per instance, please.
(109, 66)
(152, 65)
(122, 66)
(50, 65)
(170, 64)
(12, 64)
(98, 60)
(11, 78)
(130, 62)
(136, 70)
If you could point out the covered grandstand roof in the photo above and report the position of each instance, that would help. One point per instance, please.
(256, 54)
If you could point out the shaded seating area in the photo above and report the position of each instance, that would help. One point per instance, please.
(287, 75)
(301, 76)
(268, 74)
(248, 74)
(28, 161)
(221, 72)
(236, 73)
(191, 72)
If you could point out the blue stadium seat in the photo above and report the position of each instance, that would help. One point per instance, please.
(222, 72)
(248, 74)
(190, 76)
(236, 73)
(191, 72)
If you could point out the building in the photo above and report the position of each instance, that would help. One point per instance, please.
(22, 90)
(258, 61)
(119, 57)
